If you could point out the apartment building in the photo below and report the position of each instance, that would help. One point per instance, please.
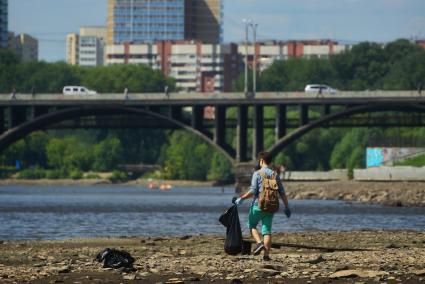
(197, 67)
(25, 46)
(139, 21)
(86, 48)
(3, 24)
(72, 48)
(268, 52)
(90, 51)
(421, 43)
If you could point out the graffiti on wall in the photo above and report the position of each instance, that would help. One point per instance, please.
(381, 156)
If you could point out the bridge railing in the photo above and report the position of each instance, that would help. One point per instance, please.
(210, 96)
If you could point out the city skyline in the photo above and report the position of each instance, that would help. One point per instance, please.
(380, 21)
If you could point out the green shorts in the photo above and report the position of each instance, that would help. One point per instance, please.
(256, 215)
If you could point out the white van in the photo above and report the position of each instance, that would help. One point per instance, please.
(78, 90)
(316, 89)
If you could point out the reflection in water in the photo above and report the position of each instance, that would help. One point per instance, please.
(38, 212)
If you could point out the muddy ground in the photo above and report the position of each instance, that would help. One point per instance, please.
(312, 257)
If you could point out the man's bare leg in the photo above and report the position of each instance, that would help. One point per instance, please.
(256, 236)
(267, 244)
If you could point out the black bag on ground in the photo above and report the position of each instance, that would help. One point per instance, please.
(230, 219)
(115, 258)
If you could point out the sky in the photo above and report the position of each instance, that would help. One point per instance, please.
(347, 21)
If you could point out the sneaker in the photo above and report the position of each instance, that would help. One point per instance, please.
(266, 258)
(258, 248)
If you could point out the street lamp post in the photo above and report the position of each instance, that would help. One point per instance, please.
(254, 67)
(247, 23)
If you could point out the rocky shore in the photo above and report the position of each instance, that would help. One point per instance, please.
(384, 193)
(314, 257)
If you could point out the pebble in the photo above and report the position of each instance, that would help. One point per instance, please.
(129, 277)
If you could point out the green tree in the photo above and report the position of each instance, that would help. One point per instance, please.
(221, 169)
(187, 157)
(107, 155)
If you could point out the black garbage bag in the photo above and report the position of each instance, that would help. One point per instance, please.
(113, 258)
(230, 219)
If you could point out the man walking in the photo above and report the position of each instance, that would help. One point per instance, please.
(256, 214)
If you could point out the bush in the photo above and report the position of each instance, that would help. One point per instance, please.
(76, 174)
(118, 176)
(54, 174)
(418, 161)
(6, 172)
(34, 173)
(92, 176)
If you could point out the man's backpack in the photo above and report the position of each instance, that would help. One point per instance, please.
(268, 200)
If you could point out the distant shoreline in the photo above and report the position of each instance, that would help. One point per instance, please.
(398, 194)
(95, 182)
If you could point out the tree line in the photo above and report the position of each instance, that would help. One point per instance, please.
(63, 153)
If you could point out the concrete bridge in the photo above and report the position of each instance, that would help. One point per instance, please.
(25, 113)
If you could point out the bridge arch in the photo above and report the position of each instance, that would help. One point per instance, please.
(301, 131)
(13, 135)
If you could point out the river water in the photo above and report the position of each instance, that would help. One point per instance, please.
(60, 212)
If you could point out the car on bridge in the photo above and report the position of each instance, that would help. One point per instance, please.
(78, 90)
(319, 89)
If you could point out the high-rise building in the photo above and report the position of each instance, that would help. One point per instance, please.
(204, 20)
(139, 21)
(25, 46)
(4, 36)
(145, 20)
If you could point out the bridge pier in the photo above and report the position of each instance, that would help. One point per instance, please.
(220, 125)
(243, 175)
(258, 131)
(304, 118)
(241, 134)
(2, 122)
(280, 129)
(197, 117)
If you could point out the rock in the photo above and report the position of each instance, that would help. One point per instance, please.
(185, 237)
(63, 269)
(144, 274)
(392, 246)
(129, 277)
(191, 279)
(39, 265)
(174, 281)
(274, 267)
(358, 273)
(419, 272)
(316, 261)
(268, 272)
(341, 267)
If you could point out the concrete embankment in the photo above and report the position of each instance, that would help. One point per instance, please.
(407, 174)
